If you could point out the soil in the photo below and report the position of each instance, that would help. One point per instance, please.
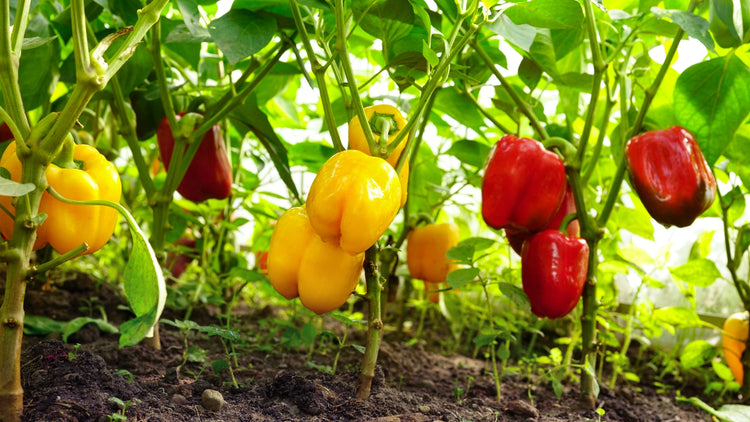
(83, 379)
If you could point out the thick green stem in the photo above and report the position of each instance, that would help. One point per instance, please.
(12, 313)
(374, 324)
(9, 61)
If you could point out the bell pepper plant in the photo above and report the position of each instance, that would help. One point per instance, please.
(301, 264)
(353, 200)
(553, 272)
(68, 226)
(523, 184)
(670, 175)
(209, 175)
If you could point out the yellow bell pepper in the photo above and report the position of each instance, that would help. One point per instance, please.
(68, 226)
(733, 342)
(353, 200)
(358, 141)
(301, 264)
(426, 248)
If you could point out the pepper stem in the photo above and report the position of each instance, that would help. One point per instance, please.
(64, 158)
(381, 125)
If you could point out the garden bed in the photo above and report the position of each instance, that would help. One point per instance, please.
(89, 378)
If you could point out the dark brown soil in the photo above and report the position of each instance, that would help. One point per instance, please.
(64, 382)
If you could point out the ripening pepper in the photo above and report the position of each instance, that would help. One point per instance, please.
(209, 175)
(301, 264)
(426, 248)
(670, 175)
(68, 226)
(523, 184)
(353, 200)
(358, 141)
(733, 338)
(553, 272)
(516, 237)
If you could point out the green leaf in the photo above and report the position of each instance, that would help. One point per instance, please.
(711, 100)
(311, 155)
(529, 72)
(34, 325)
(38, 68)
(251, 118)
(478, 243)
(469, 152)
(458, 106)
(191, 15)
(11, 188)
(515, 294)
(461, 277)
(696, 354)
(734, 412)
(461, 253)
(722, 370)
(242, 33)
(678, 317)
(693, 25)
(522, 36)
(73, 326)
(547, 13)
(246, 274)
(144, 287)
(698, 272)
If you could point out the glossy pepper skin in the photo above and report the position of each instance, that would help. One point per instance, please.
(553, 272)
(68, 226)
(670, 175)
(353, 200)
(301, 265)
(523, 184)
(734, 335)
(209, 175)
(516, 237)
(426, 248)
(358, 141)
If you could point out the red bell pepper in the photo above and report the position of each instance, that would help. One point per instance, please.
(516, 237)
(5, 133)
(670, 175)
(553, 272)
(209, 174)
(523, 184)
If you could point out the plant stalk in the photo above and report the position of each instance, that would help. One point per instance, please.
(374, 324)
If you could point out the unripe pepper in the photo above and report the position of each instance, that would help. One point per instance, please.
(670, 175)
(523, 184)
(553, 272)
(516, 237)
(68, 226)
(301, 264)
(733, 338)
(426, 248)
(353, 200)
(209, 175)
(358, 141)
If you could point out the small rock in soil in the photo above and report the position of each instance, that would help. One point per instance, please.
(521, 408)
(424, 409)
(179, 399)
(212, 400)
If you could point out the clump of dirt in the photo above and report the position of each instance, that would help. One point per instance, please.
(95, 379)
